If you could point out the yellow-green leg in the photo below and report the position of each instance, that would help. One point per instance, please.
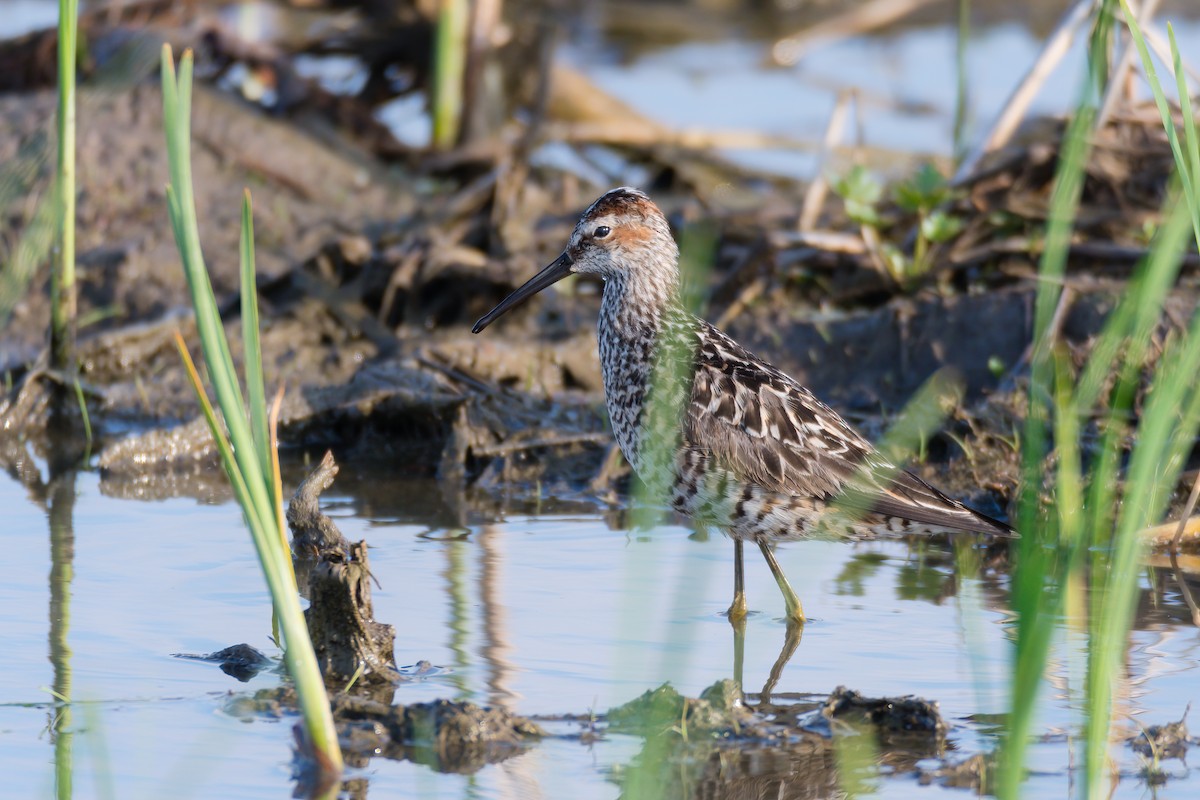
(795, 612)
(791, 641)
(737, 609)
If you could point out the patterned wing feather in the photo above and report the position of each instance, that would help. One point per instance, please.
(765, 427)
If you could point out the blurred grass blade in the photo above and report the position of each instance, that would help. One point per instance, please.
(1037, 582)
(1152, 476)
(35, 244)
(1192, 145)
(1164, 110)
(449, 71)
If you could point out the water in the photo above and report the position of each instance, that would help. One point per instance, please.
(544, 615)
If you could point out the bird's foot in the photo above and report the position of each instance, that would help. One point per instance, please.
(737, 609)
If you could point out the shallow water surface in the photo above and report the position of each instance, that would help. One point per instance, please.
(544, 615)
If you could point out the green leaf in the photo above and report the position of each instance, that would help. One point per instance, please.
(252, 347)
(925, 190)
(862, 213)
(941, 227)
(898, 264)
(859, 186)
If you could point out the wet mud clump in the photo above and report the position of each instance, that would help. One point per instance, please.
(720, 746)
(239, 661)
(907, 720)
(450, 736)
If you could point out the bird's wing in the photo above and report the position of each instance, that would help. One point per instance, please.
(762, 425)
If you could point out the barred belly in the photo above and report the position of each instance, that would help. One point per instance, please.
(714, 496)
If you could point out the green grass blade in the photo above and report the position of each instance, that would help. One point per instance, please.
(1129, 326)
(181, 201)
(1069, 477)
(31, 251)
(83, 413)
(1100, 49)
(1192, 145)
(251, 478)
(277, 479)
(224, 449)
(1164, 111)
(62, 280)
(253, 348)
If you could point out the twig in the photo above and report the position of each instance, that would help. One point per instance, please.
(1170, 535)
(745, 297)
(870, 16)
(1025, 246)
(1184, 589)
(814, 198)
(1116, 84)
(1187, 513)
(603, 480)
(829, 241)
(638, 134)
(457, 374)
(1018, 102)
(1065, 300)
(510, 446)
(1162, 48)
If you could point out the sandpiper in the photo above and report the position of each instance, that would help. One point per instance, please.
(718, 432)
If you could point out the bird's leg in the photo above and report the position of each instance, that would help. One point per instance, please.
(791, 641)
(795, 612)
(739, 652)
(737, 609)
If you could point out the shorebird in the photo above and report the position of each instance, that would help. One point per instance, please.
(716, 431)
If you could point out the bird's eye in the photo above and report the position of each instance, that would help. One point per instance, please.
(601, 232)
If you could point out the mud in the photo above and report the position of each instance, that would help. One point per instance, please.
(239, 661)
(717, 745)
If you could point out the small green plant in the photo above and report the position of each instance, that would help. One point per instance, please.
(924, 194)
(860, 192)
(248, 452)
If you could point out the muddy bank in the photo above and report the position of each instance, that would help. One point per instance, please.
(373, 263)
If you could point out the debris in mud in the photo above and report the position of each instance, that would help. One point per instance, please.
(718, 712)
(349, 643)
(974, 772)
(775, 748)
(450, 736)
(1160, 742)
(896, 719)
(239, 661)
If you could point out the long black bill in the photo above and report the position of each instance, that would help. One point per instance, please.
(558, 269)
